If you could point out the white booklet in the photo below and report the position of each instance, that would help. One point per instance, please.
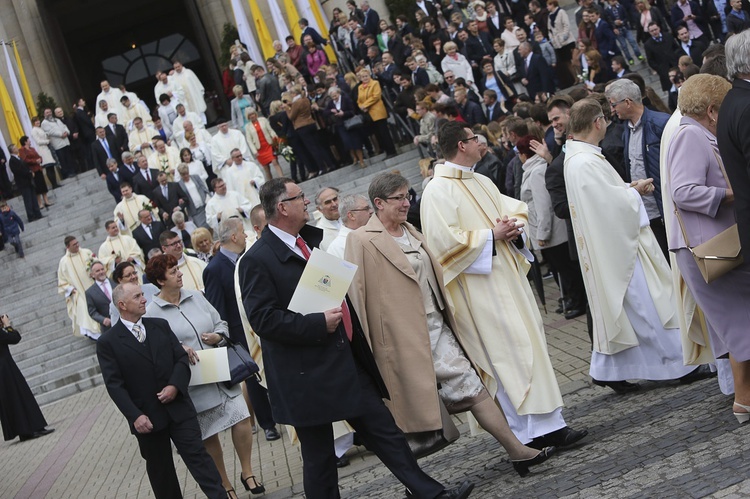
(212, 367)
(323, 284)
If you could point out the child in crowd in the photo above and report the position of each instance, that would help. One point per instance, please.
(11, 226)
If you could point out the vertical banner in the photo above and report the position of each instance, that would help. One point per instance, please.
(11, 118)
(246, 35)
(266, 42)
(282, 30)
(30, 106)
(21, 112)
(293, 16)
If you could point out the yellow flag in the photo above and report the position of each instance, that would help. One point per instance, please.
(293, 15)
(11, 118)
(30, 106)
(261, 30)
(315, 7)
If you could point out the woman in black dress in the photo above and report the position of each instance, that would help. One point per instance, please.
(19, 413)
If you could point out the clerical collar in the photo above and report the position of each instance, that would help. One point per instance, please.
(459, 167)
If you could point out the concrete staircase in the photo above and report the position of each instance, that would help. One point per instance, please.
(55, 363)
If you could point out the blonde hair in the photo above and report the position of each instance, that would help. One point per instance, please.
(449, 45)
(198, 235)
(700, 92)
(237, 90)
(274, 107)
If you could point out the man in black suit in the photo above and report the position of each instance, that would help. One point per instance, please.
(606, 40)
(491, 108)
(660, 53)
(145, 179)
(128, 167)
(469, 110)
(478, 45)
(371, 21)
(395, 46)
(405, 99)
(536, 75)
(99, 295)
(146, 372)
(113, 179)
(169, 197)
(686, 46)
(304, 25)
(733, 130)
(117, 134)
(86, 131)
(25, 183)
(419, 77)
(318, 366)
(218, 279)
(427, 7)
(102, 149)
(148, 232)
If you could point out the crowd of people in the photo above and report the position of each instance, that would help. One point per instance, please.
(638, 215)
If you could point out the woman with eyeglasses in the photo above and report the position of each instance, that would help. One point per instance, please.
(126, 272)
(399, 296)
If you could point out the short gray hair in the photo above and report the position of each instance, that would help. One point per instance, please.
(126, 155)
(349, 203)
(384, 185)
(120, 291)
(154, 252)
(334, 90)
(227, 228)
(111, 161)
(737, 49)
(481, 138)
(321, 191)
(183, 168)
(178, 217)
(623, 89)
(95, 262)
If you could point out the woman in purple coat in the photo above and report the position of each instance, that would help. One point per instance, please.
(704, 201)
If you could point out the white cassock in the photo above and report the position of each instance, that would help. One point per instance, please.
(129, 207)
(72, 282)
(628, 281)
(121, 246)
(330, 228)
(192, 272)
(167, 162)
(222, 145)
(136, 110)
(171, 87)
(240, 178)
(137, 138)
(193, 89)
(178, 129)
(101, 120)
(227, 206)
(202, 136)
(338, 245)
(113, 102)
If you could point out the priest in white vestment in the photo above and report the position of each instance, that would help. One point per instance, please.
(141, 136)
(244, 177)
(182, 115)
(102, 112)
(112, 96)
(119, 248)
(170, 88)
(226, 203)
(165, 159)
(126, 211)
(327, 204)
(202, 136)
(193, 88)
(628, 282)
(73, 280)
(477, 235)
(190, 266)
(222, 144)
(132, 110)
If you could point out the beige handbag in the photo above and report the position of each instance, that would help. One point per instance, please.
(425, 443)
(721, 253)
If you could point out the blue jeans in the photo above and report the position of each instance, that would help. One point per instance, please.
(16, 242)
(626, 36)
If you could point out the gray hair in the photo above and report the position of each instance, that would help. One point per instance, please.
(384, 185)
(420, 58)
(227, 228)
(333, 90)
(623, 89)
(111, 161)
(183, 168)
(481, 138)
(737, 49)
(154, 252)
(178, 217)
(95, 262)
(126, 155)
(349, 203)
(120, 291)
(321, 191)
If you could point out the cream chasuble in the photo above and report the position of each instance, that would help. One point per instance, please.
(73, 274)
(113, 103)
(227, 206)
(499, 324)
(100, 120)
(171, 88)
(136, 110)
(192, 272)
(120, 246)
(129, 207)
(221, 148)
(193, 89)
(609, 238)
(238, 178)
(167, 162)
(139, 137)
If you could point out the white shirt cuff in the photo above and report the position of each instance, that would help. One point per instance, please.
(483, 263)
(525, 250)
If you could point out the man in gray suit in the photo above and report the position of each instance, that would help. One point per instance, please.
(99, 295)
(197, 193)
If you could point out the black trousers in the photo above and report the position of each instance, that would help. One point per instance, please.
(67, 163)
(30, 203)
(315, 152)
(379, 432)
(384, 136)
(51, 175)
(660, 232)
(157, 452)
(569, 270)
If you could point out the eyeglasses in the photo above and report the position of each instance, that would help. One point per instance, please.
(176, 243)
(615, 104)
(475, 138)
(598, 118)
(298, 196)
(365, 209)
(401, 198)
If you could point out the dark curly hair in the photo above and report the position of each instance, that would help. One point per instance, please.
(157, 267)
(119, 270)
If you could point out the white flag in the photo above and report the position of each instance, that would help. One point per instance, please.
(23, 113)
(282, 31)
(246, 35)
(4, 146)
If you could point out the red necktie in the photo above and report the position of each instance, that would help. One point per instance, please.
(148, 176)
(347, 317)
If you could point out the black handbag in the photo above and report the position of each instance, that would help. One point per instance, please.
(241, 363)
(425, 443)
(356, 121)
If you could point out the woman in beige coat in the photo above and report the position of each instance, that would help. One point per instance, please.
(401, 302)
(260, 137)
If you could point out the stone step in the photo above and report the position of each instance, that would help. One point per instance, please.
(61, 345)
(75, 370)
(85, 382)
(55, 359)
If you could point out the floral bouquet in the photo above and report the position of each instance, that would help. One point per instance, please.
(282, 148)
(147, 205)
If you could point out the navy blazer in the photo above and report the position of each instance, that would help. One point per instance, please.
(420, 78)
(135, 372)
(606, 41)
(113, 185)
(218, 279)
(312, 375)
(539, 76)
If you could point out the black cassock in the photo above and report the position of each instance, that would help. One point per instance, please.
(19, 412)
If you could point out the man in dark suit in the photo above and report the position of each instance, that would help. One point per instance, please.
(304, 25)
(427, 7)
(6, 187)
(99, 295)
(733, 130)
(419, 77)
(606, 41)
(318, 366)
(86, 131)
(686, 46)
(396, 46)
(145, 179)
(102, 149)
(536, 74)
(169, 197)
(113, 179)
(491, 108)
(218, 279)
(25, 183)
(371, 21)
(469, 110)
(690, 13)
(660, 53)
(117, 134)
(128, 167)
(478, 45)
(146, 372)
(148, 232)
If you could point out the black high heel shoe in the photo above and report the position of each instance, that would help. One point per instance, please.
(258, 487)
(522, 466)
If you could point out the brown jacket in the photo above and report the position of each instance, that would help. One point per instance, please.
(300, 113)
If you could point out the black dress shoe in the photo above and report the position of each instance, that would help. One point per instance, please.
(702, 372)
(461, 492)
(576, 312)
(24, 438)
(45, 431)
(342, 462)
(620, 387)
(272, 434)
(564, 437)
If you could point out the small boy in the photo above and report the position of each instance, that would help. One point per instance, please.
(548, 51)
(11, 226)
